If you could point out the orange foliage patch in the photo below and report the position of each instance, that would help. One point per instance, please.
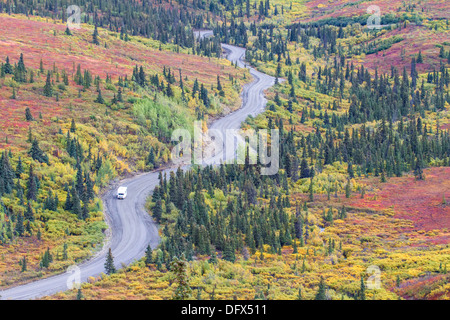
(416, 38)
(419, 201)
(319, 9)
(37, 41)
(430, 287)
(41, 39)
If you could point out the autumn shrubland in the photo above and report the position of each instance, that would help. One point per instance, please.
(110, 139)
(411, 261)
(328, 214)
(362, 194)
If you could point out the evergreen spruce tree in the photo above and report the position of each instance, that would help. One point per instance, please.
(179, 269)
(418, 170)
(321, 294)
(14, 94)
(109, 264)
(157, 210)
(419, 58)
(347, 189)
(350, 171)
(65, 255)
(158, 263)
(32, 187)
(311, 190)
(29, 214)
(213, 257)
(204, 96)
(362, 291)
(8, 68)
(299, 296)
(48, 88)
(119, 95)
(28, 115)
(46, 259)
(89, 190)
(79, 295)
(19, 225)
(99, 98)
(169, 91)
(95, 36)
(76, 204)
(85, 211)
(382, 177)
(73, 126)
(228, 252)
(36, 153)
(24, 264)
(148, 255)
(79, 181)
(151, 157)
(68, 204)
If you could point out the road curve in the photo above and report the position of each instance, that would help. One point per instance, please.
(131, 228)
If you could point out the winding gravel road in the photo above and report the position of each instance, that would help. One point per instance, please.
(131, 228)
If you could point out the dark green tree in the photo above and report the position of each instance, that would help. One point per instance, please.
(99, 98)
(36, 153)
(73, 126)
(79, 295)
(8, 68)
(109, 264)
(311, 190)
(46, 259)
(179, 269)
(28, 115)
(362, 290)
(157, 210)
(321, 294)
(48, 88)
(299, 296)
(19, 225)
(23, 264)
(32, 188)
(419, 58)
(228, 252)
(148, 255)
(151, 157)
(19, 168)
(95, 36)
(29, 214)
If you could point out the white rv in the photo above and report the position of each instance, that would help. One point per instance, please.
(122, 193)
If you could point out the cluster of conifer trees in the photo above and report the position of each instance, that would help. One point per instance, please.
(234, 225)
(384, 152)
(16, 219)
(151, 19)
(16, 222)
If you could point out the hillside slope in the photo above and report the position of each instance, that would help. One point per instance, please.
(85, 139)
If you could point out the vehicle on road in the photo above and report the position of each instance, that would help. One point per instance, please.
(134, 236)
(122, 193)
